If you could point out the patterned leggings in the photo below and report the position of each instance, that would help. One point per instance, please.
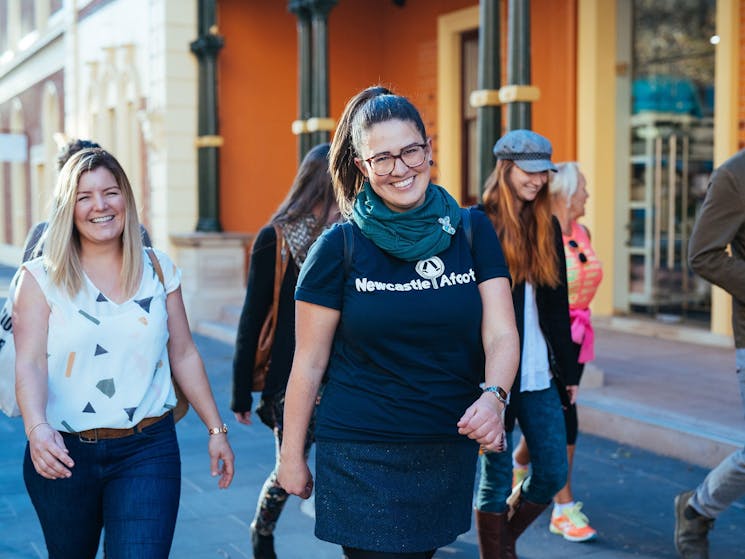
(272, 498)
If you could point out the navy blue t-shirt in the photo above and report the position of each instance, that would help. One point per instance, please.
(407, 358)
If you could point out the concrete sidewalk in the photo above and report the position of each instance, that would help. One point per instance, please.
(627, 494)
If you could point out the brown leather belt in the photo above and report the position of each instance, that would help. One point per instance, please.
(93, 435)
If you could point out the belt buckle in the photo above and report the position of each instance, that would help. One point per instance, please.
(89, 440)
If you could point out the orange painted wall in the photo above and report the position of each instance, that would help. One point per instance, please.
(553, 35)
(370, 41)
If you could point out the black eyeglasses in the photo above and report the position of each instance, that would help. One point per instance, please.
(384, 163)
(582, 257)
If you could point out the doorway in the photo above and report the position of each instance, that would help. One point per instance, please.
(671, 152)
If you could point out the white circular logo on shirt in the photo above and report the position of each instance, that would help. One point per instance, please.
(430, 268)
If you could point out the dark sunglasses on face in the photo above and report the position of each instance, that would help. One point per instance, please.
(582, 257)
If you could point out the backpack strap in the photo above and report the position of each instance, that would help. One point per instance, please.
(346, 229)
(465, 220)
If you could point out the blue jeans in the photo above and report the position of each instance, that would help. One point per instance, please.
(129, 486)
(725, 483)
(542, 422)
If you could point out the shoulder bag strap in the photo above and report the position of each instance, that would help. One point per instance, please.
(280, 267)
(156, 266)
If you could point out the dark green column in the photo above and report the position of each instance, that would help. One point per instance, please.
(488, 117)
(304, 53)
(206, 47)
(320, 10)
(518, 56)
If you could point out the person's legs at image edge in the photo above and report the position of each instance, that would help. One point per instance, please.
(696, 510)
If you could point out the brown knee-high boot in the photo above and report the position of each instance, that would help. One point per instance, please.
(522, 514)
(494, 541)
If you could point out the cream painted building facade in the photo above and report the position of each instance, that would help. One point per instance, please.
(118, 72)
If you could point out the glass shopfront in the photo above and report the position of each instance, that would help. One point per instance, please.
(670, 153)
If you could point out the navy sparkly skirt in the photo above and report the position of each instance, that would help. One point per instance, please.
(393, 497)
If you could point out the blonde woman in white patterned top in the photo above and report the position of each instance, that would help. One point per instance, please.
(98, 335)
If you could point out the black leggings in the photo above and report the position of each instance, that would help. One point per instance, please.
(570, 412)
(352, 553)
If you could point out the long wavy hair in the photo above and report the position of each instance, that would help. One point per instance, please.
(370, 106)
(62, 241)
(310, 188)
(527, 234)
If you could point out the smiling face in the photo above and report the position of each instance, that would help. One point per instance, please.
(99, 207)
(404, 188)
(527, 185)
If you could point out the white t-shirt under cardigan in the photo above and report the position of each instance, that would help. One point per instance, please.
(108, 363)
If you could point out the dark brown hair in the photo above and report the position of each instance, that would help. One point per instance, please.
(370, 106)
(310, 188)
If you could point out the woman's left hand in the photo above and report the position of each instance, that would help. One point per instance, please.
(220, 451)
(572, 392)
(483, 423)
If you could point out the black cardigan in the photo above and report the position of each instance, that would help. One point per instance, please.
(259, 294)
(553, 317)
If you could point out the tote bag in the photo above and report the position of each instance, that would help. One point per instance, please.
(8, 355)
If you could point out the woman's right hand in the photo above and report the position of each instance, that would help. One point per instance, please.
(49, 454)
(295, 478)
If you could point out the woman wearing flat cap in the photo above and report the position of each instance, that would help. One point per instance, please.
(517, 201)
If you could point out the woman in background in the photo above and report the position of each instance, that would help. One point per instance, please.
(584, 273)
(517, 201)
(307, 210)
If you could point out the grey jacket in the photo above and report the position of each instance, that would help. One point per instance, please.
(721, 223)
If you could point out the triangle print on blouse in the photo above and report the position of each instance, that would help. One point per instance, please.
(145, 303)
(107, 387)
(99, 351)
(101, 298)
(89, 409)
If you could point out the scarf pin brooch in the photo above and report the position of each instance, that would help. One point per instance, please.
(449, 229)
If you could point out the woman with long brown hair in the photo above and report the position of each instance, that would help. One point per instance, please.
(517, 201)
(307, 210)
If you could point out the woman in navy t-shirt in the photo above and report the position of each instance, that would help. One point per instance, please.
(405, 311)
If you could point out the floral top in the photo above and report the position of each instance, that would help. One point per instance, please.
(107, 362)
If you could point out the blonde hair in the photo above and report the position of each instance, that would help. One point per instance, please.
(565, 181)
(527, 236)
(62, 240)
